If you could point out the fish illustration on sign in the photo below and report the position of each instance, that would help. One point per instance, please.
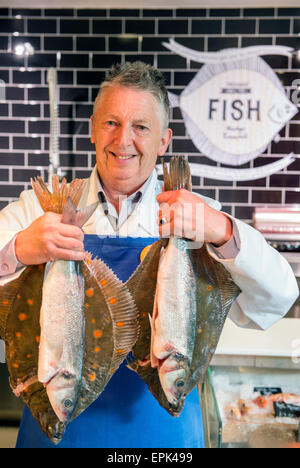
(67, 326)
(188, 297)
(233, 108)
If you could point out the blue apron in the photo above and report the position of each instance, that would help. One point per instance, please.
(125, 415)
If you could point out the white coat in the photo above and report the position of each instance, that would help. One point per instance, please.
(267, 282)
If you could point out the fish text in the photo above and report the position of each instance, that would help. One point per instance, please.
(235, 110)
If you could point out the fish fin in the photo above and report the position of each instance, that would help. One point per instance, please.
(56, 200)
(76, 217)
(179, 173)
(8, 293)
(173, 99)
(122, 307)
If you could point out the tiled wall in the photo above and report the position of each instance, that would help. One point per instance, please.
(82, 44)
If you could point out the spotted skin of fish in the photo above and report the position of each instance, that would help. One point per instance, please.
(111, 330)
(20, 302)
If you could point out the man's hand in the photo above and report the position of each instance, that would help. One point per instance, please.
(48, 239)
(186, 215)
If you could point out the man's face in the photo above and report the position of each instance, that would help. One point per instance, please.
(127, 130)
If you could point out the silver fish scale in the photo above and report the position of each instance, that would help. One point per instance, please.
(62, 320)
(176, 299)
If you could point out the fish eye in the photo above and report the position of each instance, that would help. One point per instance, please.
(180, 383)
(68, 403)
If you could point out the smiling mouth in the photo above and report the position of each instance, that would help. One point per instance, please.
(129, 156)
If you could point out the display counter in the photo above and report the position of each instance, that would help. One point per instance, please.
(235, 413)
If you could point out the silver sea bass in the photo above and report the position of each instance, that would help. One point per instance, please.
(175, 308)
(62, 321)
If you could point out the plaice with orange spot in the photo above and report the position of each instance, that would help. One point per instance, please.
(183, 291)
(105, 344)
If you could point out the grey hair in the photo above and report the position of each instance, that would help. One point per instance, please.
(140, 76)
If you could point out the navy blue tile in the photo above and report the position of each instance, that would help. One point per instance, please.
(220, 43)
(26, 143)
(74, 94)
(39, 127)
(296, 26)
(34, 41)
(288, 11)
(26, 12)
(4, 75)
(14, 159)
(89, 43)
(240, 26)
(4, 142)
(191, 12)
(65, 77)
(139, 26)
(24, 175)
(74, 26)
(105, 60)
(11, 60)
(233, 196)
(153, 44)
(90, 77)
(58, 43)
(255, 41)
(59, 12)
(42, 60)
(74, 160)
(38, 94)
(3, 43)
(274, 26)
(176, 26)
(266, 196)
(11, 191)
(208, 26)
(3, 110)
(3, 172)
(42, 26)
(74, 128)
(11, 25)
(124, 12)
(155, 13)
(84, 111)
(223, 12)
(91, 13)
(27, 77)
(107, 26)
(123, 44)
(12, 126)
(26, 110)
(74, 61)
(256, 12)
(14, 93)
(38, 159)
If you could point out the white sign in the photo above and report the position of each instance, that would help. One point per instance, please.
(233, 108)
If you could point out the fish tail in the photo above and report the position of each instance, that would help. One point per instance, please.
(56, 200)
(179, 176)
(78, 218)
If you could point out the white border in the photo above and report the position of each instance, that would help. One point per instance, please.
(155, 4)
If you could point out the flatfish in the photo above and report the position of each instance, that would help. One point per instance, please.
(108, 328)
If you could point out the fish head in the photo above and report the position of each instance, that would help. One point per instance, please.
(56, 432)
(63, 392)
(173, 375)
